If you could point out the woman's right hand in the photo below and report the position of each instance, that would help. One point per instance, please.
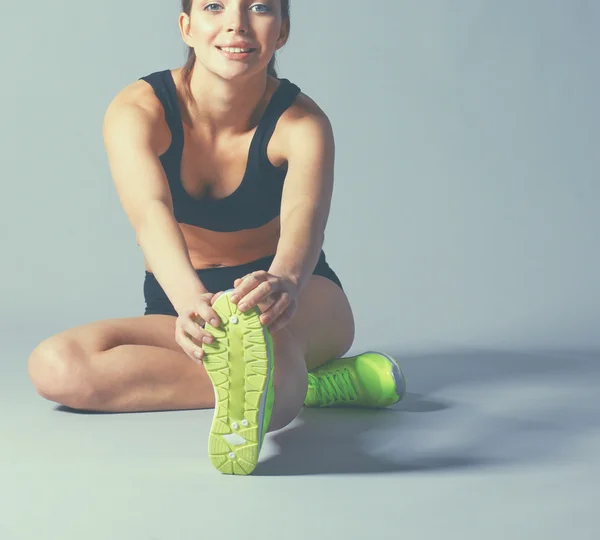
(189, 327)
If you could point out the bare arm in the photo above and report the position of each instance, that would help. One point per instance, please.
(306, 200)
(144, 193)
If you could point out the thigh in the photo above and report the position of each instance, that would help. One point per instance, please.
(323, 322)
(152, 330)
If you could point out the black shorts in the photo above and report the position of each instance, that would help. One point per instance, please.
(219, 279)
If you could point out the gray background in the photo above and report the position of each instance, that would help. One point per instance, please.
(465, 208)
(464, 227)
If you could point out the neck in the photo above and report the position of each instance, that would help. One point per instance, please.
(226, 106)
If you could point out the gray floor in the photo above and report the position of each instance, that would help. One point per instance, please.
(487, 445)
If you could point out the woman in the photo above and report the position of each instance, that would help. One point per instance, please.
(236, 279)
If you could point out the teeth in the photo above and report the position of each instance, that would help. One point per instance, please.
(235, 50)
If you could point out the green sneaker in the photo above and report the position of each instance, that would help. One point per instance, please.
(240, 364)
(370, 379)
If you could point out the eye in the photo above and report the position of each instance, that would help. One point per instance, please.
(265, 10)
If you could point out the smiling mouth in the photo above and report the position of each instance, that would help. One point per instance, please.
(243, 51)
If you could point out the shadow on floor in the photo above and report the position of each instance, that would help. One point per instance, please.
(466, 410)
(64, 408)
(333, 442)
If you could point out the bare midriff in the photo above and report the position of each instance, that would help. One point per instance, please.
(210, 249)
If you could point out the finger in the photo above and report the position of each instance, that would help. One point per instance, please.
(191, 329)
(276, 310)
(215, 297)
(194, 351)
(258, 295)
(249, 283)
(266, 303)
(209, 315)
(196, 333)
(282, 320)
(243, 286)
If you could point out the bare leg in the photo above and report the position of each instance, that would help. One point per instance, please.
(291, 379)
(135, 378)
(130, 365)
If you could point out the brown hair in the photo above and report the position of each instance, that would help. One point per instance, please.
(186, 7)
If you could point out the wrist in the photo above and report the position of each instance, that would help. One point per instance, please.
(187, 291)
(290, 277)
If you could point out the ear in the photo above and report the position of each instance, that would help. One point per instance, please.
(284, 34)
(184, 28)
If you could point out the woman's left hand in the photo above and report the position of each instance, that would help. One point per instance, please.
(275, 296)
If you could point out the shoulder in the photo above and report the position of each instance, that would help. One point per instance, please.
(136, 107)
(306, 123)
(304, 112)
(138, 94)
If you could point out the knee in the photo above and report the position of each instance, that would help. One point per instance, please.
(56, 369)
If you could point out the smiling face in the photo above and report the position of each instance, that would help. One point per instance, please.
(257, 27)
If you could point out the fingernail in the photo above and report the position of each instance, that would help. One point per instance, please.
(214, 322)
(242, 307)
(198, 354)
(234, 298)
(207, 339)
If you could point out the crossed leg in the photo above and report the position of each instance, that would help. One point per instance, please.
(134, 364)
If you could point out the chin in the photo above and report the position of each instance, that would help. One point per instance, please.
(232, 74)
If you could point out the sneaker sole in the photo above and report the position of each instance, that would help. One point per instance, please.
(239, 363)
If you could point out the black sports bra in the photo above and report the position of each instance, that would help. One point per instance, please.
(257, 200)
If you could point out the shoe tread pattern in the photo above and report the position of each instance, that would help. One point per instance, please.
(237, 363)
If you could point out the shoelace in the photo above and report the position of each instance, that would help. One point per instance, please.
(334, 386)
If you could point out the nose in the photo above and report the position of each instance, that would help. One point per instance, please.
(237, 20)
